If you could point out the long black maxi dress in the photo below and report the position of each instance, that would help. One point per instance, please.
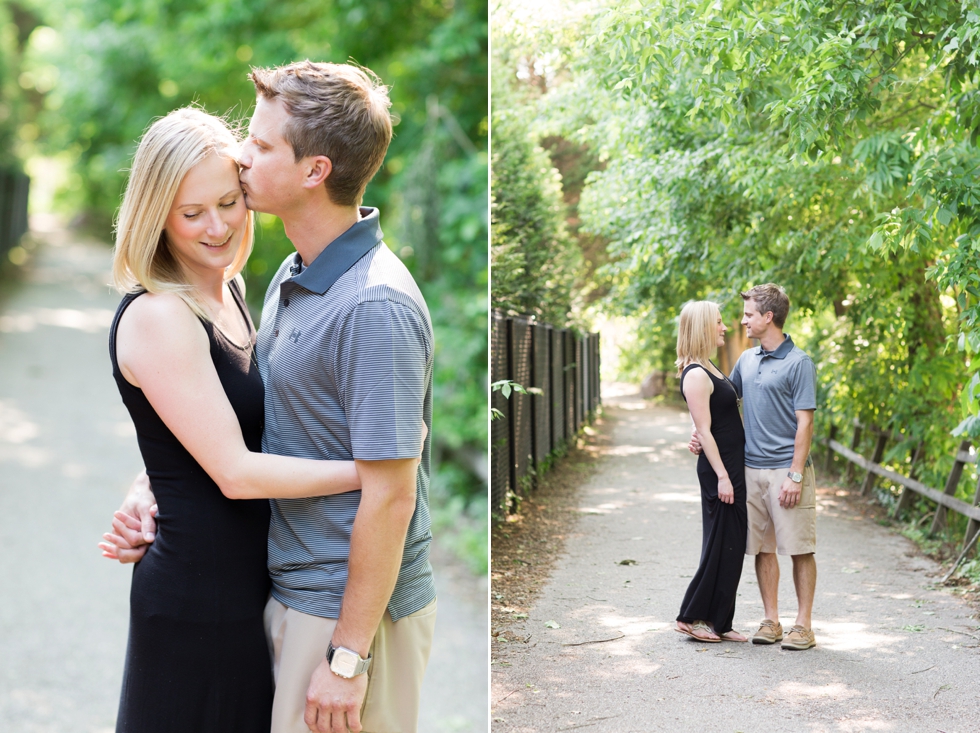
(711, 595)
(197, 659)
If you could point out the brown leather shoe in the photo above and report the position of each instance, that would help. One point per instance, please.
(799, 638)
(769, 632)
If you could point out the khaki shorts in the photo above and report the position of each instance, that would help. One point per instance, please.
(773, 528)
(400, 653)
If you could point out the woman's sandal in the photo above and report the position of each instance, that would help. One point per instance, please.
(693, 630)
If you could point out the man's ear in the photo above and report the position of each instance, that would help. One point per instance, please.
(318, 168)
(768, 316)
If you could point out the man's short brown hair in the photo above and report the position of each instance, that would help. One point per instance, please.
(336, 110)
(770, 297)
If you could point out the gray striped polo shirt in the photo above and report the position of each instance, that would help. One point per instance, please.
(345, 351)
(773, 386)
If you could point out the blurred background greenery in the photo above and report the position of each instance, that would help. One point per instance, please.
(82, 79)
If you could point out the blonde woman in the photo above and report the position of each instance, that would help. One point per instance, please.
(709, 604)
(182, 349)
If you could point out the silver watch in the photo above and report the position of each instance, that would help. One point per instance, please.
(346, 662)
(797, 477)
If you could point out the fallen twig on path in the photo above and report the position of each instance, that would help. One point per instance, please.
(952, 631)
(594, 641)
(506, 696)
(923, 670)
(601, 600)
(591, 722)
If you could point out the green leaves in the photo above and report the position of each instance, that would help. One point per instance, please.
(830, 147)
(535, 260)
(506, 386)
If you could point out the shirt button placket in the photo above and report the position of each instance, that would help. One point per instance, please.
(285, 302)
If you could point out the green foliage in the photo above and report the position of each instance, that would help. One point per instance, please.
(462, 527)
(829, 147)
(16, 24)
(506, 387)
(536, 263)
(970, 570)
(119, 65)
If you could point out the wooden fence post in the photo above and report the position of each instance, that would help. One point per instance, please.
(946, 499)
(973, 526)
(869, 479)
(939, 520)
(905, 500)
(849, 476)
(830, 451)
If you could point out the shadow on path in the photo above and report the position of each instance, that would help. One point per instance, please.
(894, 652)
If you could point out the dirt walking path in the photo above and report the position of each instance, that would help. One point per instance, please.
(597, 650)
(67, 452)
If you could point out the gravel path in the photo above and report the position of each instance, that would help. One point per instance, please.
(894, 653)
(67, 452)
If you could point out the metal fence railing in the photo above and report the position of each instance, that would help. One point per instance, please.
(14, 187)
(565, 368)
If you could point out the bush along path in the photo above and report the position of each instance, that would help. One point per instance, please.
(595, 649)
(67, 453)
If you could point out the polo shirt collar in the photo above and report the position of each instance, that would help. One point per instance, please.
(781, 351)
(341, 254)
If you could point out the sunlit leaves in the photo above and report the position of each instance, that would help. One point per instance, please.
(831, 147)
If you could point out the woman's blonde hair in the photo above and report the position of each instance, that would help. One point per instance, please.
(168, 150)
(697, 333)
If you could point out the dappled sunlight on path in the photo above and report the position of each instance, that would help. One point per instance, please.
(598, 650)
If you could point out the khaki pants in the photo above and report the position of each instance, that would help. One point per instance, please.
(773, 528)
(400, 652)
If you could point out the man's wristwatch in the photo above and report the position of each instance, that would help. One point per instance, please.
(797, 477)
(346, 662)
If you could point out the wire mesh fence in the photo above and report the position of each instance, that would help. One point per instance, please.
(563, 369)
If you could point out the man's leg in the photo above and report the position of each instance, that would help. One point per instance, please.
(399, 656)
(805, 580)
(796, 535)
(767, 573)
(298, 642)
(761, 542)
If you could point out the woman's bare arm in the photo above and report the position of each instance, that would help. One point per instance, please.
(162, 349)
(697, 390)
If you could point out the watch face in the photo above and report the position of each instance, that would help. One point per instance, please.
(344, 662)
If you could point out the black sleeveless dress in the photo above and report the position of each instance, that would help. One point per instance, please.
(197, 658)
(711, 595)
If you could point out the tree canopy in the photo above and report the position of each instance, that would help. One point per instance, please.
(536, 262)
(828, 147)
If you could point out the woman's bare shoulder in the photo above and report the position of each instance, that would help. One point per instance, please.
(156, 315)
(150, 307)
(695, 372)
(696, 381)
